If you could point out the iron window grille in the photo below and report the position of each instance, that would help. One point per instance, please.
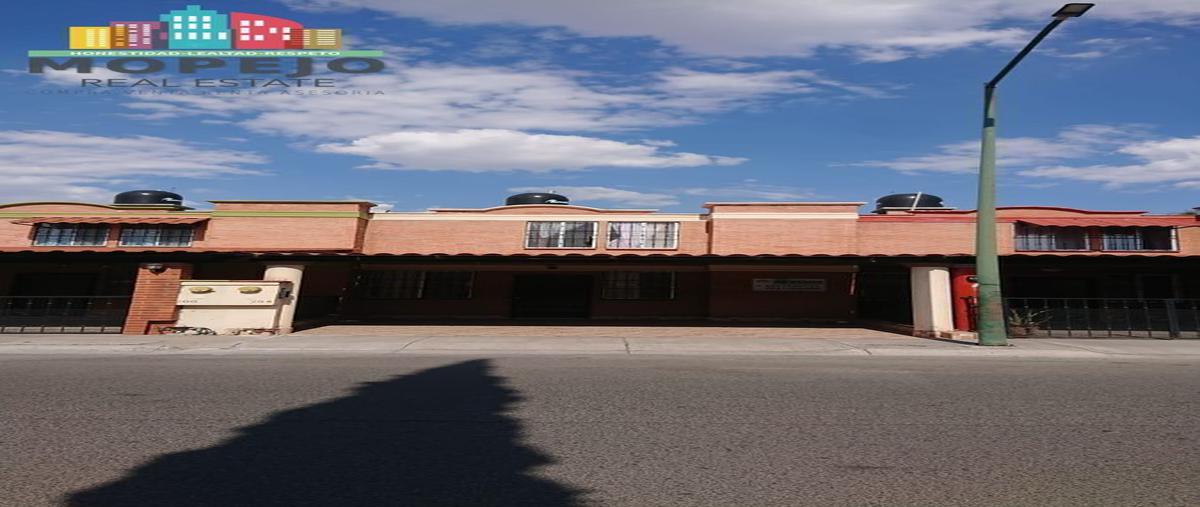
(157, 235)
(1041, 239)
(1107, 239)
(638, 285)
(448, 284)
(70, 235)
(407, 284)
(650, 235)
(560, 235)
(1124, 239)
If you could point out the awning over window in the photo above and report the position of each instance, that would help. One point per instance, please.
(111, 220)
(1109, 222)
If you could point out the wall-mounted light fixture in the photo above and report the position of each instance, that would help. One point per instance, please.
(155, 267)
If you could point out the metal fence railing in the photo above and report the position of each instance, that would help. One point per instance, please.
(63, 314)
(1103, 317)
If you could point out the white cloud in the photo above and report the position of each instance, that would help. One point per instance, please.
(1074, 142)
(878, 30)
(437, 96)
(586, 194)
(751, 190)
(480, 150)
(43, 164)
(1099, 48)
(1175, 160)
(1071, 155)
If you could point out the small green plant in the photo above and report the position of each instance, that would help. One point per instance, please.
(1025, 322)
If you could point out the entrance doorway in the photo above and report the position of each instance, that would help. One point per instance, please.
(552, 296)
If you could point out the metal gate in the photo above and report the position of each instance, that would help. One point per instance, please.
(63, 314)
(1103, 317)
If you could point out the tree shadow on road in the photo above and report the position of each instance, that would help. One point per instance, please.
(435, 437)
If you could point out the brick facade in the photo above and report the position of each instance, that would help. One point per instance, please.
(717, 257)
(154, 295)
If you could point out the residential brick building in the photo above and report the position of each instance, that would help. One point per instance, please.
(103, 267)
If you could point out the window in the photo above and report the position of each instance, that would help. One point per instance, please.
(245, 37)
(287, 29)
(206, 26)
(245, 22)
(70, 235)
(245, 30)
(637, 285)
(560, 235)
(191, 35)
(1138, 238)
(192, 26)
(221, 35)
(205, 18)
(1108, 239)
(1035, 238)
(258, 37)
(178, 18)
(273, 30)
(178, 26)
(287, 37)
(178, 36)
(404, 284)
(392, 284)
(206, 36)
(258, 22)
(643, 234)
(156, 235)
(448, 285)
(191, 18)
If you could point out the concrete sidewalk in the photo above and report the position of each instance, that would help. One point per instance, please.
(882, 345)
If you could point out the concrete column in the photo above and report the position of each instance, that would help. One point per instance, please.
(932, 305)
(286, 273)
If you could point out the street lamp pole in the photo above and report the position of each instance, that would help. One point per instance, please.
(991, 321)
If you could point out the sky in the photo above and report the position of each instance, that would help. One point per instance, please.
(662, 104)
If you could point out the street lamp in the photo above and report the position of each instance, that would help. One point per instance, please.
(992, 329)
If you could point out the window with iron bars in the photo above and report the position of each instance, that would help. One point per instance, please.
(638, 285)
(1107, 239)
(409, 284)
(661, 235)
(560, 235)
(70, 235)
(1118, 239)
(157, 235)
(1037, 238)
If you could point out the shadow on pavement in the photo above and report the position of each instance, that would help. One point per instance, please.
(435, 437)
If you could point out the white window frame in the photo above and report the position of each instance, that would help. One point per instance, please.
(674, 236)
(562, 236)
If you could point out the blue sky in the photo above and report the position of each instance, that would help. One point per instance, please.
(663, 104)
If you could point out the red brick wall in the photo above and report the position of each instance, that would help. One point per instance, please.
(733, 297)
(491, 298)
(783, 237)
(691, 301)
(154, 296)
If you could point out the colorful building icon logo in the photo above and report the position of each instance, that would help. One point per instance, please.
(196, 28)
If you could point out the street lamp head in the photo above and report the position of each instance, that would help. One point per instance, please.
(1072, 10)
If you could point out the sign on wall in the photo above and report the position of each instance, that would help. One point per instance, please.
(790, 285)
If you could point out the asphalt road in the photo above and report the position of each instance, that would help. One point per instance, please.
(541, 430)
